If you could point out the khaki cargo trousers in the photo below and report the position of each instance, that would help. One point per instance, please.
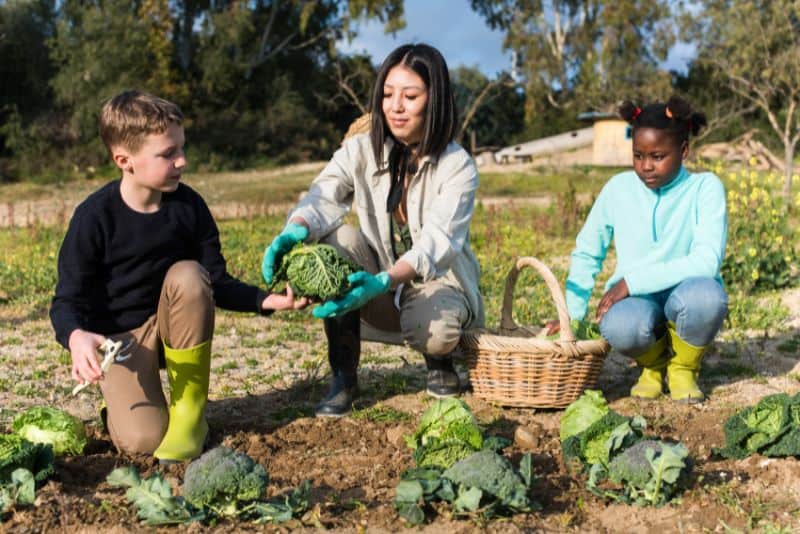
(137, 413)
(432, 314)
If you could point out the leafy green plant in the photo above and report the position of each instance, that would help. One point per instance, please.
(770, 428)
(648, 473)
(20, 489)
(44, 424)
(17, 452)
(316, 271)
(447, 433)
(153, 499)
(224, 481)
(483, 483)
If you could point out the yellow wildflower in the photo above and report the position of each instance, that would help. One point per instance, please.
(779, 240)
(754, 274)
(788, 259)
(753, 161)
(751, 252)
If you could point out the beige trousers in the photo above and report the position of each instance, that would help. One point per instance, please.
(432, 314)
(137, 414)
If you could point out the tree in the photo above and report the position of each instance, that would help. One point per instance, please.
(586, 54)
(489, 109)
(753, 47)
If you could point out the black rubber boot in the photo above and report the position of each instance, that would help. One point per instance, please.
(442, 377)
(344, 351)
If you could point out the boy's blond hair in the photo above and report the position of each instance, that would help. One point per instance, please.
(127, 118)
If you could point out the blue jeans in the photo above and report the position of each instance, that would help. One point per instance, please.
(697, 306)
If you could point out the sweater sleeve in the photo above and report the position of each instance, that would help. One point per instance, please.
(78, 261)
(229, 292)
(587, 258)
(710, 231)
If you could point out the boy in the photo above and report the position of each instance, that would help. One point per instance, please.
(141, 263)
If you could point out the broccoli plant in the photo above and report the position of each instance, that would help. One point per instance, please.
(648, 473)
(596, 444)
(17, 452)
(224, 481)
(316, 271)
(770, 428)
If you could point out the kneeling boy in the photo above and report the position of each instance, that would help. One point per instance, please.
(141, 263)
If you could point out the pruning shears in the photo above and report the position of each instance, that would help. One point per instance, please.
(108, 351)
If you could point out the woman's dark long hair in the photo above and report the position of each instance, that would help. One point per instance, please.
(439, 127)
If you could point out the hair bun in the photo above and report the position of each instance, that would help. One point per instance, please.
(628, 111)
(679, 108)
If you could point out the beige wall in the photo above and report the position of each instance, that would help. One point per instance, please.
(610, 147)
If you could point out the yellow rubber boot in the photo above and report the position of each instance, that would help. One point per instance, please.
(653, 362)
(188, 371)
(683, 369)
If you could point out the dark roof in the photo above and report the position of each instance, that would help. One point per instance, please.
(596, 115)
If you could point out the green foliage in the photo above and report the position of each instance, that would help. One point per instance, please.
(494, 476)
(447, 433)
(153, 499)
(20, 489)
(770, 428)
(483, 483)
(760, 254)
(223, 481)
(19, 453)
(43, 424)
(581, 414)
(317, 271)
(649, 473)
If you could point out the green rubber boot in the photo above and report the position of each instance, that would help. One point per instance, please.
(653, 362)
(188, 371)
(683, 369)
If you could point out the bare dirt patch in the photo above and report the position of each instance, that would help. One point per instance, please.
(268, 373)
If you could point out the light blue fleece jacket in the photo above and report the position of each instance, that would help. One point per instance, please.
(662, 236)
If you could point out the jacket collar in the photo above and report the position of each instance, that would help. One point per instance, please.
(383, 168)
(681, 177)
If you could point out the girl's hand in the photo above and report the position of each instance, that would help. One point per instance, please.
(612, 296)
(278, 302)
(83, 349)
(552, 327)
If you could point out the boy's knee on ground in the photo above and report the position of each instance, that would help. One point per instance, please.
(138, 437)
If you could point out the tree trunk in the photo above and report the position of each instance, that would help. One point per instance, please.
(789, 170)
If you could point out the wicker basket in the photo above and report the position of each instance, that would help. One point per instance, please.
(514, 367)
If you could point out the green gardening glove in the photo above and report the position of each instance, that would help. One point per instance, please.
(283, 243)
(363, 288)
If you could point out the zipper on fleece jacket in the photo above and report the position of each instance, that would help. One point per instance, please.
(655, 207)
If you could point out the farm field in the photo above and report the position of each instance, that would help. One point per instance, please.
(267, 374)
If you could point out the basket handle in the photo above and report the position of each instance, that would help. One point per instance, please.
(506, 319)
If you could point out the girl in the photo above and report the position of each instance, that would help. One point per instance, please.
(413, 190)
(665, 302)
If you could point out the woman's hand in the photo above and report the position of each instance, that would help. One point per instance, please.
(618, 292)
(279, 302)
(294, 233)
(363, 288)
(83, 349)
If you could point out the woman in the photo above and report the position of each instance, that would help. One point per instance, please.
(414, 194)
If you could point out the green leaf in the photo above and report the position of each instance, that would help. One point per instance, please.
(124, 477)
(408, 491)
(25, 485)
(468, 500)
(152, 497)
(526, 470)
(411, 512)
(589, 408)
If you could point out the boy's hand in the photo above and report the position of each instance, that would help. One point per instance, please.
(277, 302)
(83, 349)
(612, 296)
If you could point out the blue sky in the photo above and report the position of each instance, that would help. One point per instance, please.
(460, 34)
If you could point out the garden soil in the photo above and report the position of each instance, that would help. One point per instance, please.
(267, 374)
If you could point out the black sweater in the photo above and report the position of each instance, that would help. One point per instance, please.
(113, 261)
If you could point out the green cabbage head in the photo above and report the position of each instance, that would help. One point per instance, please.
(43, 424)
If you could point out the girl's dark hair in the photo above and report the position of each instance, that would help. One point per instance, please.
(439, 127)
(675, 116)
